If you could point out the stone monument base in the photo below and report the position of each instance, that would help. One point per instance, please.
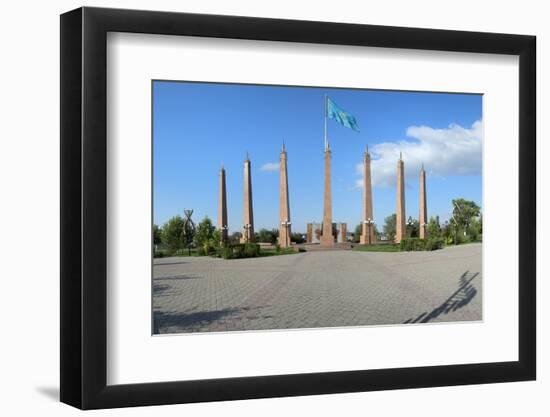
(364, 240)
(327, 241)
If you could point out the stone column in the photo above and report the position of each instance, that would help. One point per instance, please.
(344, 232)
(309, 234)
(222, 207)
(400, 227)
(367, 231)
(423, 214)
(284, 205)
(327, 239)
(248, 216)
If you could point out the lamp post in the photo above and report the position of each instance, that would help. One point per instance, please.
(369, 222)
(247, 233)
(410, 223)
(223, 233)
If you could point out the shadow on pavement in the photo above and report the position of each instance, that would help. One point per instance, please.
(193, 321)
(461, 297)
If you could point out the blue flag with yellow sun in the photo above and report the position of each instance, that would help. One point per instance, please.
(341, 116)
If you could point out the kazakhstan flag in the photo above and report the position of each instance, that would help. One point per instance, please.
(344, 118)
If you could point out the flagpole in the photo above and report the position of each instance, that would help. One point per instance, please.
(326, 140)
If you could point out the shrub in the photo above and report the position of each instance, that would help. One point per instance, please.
(297, 238)
(459, 238)
(251, 250)
(240, 250)
(416, 244)
(226, 252)
(412, 244)
(208, 247)
(434, 243)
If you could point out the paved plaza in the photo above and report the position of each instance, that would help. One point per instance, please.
(317, 289)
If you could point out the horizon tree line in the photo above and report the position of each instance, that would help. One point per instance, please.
(466, 224)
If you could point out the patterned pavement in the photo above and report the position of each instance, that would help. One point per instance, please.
(317, 289)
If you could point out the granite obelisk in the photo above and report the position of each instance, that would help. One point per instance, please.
(248, 216)
(327, 238)
(400, 227)
(423, 209)
(222, 207)
(284, 204)
(367, 231)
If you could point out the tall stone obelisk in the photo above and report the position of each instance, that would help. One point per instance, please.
(400, 227)
(284, 204)
(248, 216)
(423, 209)
(327, 239)
(367, 232)
(222, 207)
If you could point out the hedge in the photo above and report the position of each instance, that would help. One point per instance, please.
(241, 250)
(416, 244)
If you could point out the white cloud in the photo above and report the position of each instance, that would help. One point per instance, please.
(455, 150)
(270, 167)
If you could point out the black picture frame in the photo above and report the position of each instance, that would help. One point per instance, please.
(84, 207)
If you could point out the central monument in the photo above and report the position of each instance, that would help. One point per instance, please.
(284, 206)
(248, 216)
(222, 207)
(327, 239)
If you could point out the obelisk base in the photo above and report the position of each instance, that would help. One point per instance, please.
(364, 240)
(327, 239)
(284, 238)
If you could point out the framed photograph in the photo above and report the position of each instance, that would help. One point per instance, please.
(257, 208)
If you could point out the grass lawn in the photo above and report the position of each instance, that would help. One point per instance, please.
(194, 252)
(182, 252)
(377, 248)
(273, 252)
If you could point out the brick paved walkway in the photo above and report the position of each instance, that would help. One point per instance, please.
(317, 289)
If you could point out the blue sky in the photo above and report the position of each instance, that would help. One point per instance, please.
(199, 126)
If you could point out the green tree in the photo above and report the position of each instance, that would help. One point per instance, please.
(481, 224)
(235, 238)
(475, 229)
(297, 238)
(204, 236)
(157, 234)
(357, 233)
(376, 231)
(390, 226)
(464, 211)
(434, 228)
(412, 227)
(217, 238)
(172, 233)
(268, 236)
